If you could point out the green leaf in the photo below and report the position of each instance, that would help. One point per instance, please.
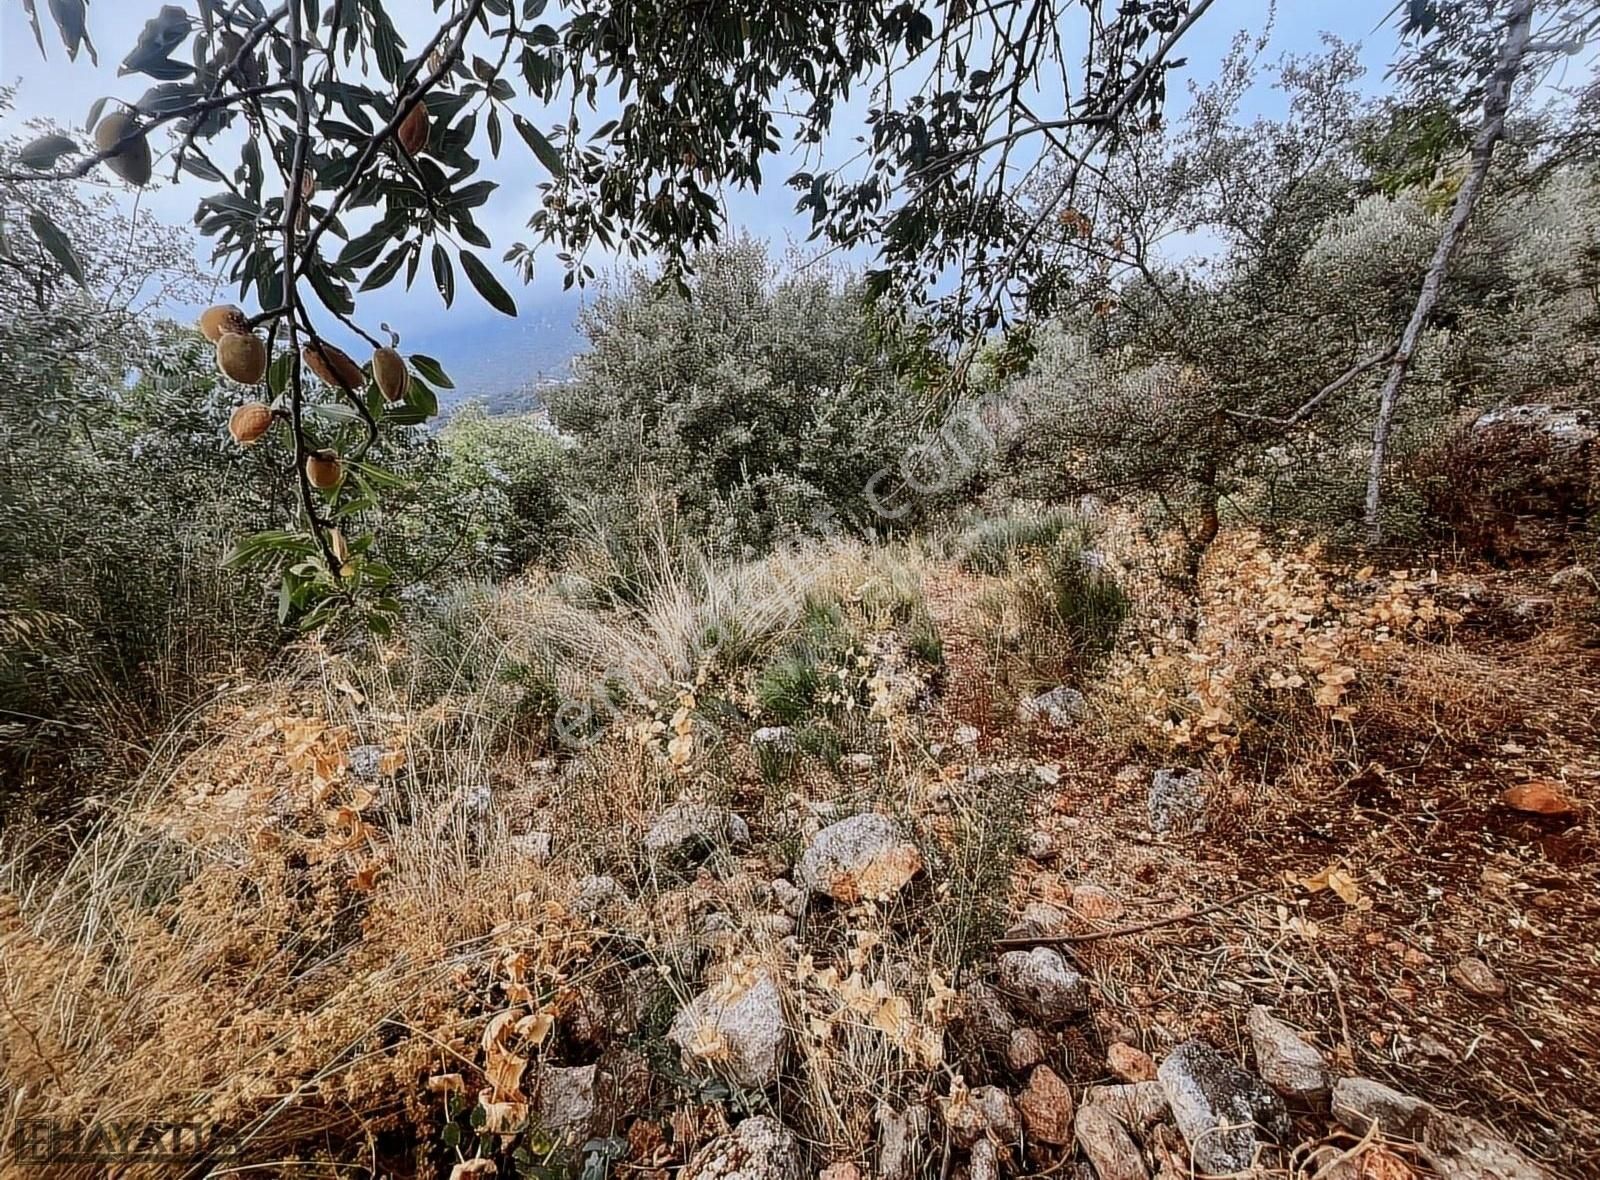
(95, 109)
(431, 371)
(494, 133)
(444, 276)
(278, 373)
(54, 241)
(546, 151)
(487, 285)
(387, 269)
(43, 152)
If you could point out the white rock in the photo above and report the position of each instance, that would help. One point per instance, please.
(687, 826)
(1060, 708)
(865, 856)
(595, 894)
(759, 1148)
(902, 1138)
(737, 1028)
(534, 846)
(1456, 1148)
(565, 1102)
(1177, 801)
(1041, 984)
(966, 735)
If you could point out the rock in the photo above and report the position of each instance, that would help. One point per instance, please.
(1177, 801)
(1478, 978)
(759, 1148)
(1041, 984)
(1046, 774)
(688, 828)
(1046, 1107)
(981, 1112)
(858, 763)
(1024, 1050)
(1221, 1110)
(841, 1170)
(534, 846)
(1539, 797)
(1130, 1063)
(366, 761)
(737, 1026)
(966, 735)
(984, 1163)
(595, 894)
(982, 1011)
(1137, 1106)
(1574, 577)
(1040, 846)
(565, 1103)
(1359, 1103)
(1456, 1148)
(1431, 1046)
(1060, 708)
(1093, 902)
(1111, 1151)
(901, 1139)
(789, 898)
(1567, 428)
(778, 739)
(1039, 919)
(542, 766)
(865, 856)
(1287, 1062)
(772, 925)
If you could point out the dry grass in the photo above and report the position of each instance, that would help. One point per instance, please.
(261, 936)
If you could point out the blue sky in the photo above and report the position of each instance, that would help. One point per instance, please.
(487, 352)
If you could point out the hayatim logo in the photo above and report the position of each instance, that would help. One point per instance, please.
(113, 1141)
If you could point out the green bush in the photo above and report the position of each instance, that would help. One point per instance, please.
(1002, 543)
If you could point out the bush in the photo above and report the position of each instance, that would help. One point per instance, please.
(1000, 543)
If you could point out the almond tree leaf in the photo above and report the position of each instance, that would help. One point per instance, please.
(443, 275)
(431, 371)
(43, 152)
(487, 285)
(549, 155)
(55, 242)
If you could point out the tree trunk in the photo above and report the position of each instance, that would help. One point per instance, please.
(1497, 97)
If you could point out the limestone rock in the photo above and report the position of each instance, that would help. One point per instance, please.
(1110, 1149)
(981, 1112)
(565, 1104)
(775, 739)
(1041, 984)
(687, 827)
(1095, 903)
(981, 1011)
(865, 856)
(1222, 1111)
(1456, 1148)
(736, 1027)
(984, 1163)
(1024, 1050)
(1288, 1063)
(790, 899)
(1046, 1107)
(534, 846)
(596, 894)
(759, 1148)
(1060, 708)
(1478, 978)
(1177, 801)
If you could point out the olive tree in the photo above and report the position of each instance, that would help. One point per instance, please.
(346, 159)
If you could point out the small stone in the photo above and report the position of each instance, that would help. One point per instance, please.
(790, 899)
(542, 766)
(981, 1011)
(865, 856)
(1539, 797)
(1111, 1151)
(688, 828)
(984, 1163)
(1040, 982)
(595, 894)
(1219, 1108)
(981, 1112)
(858, 763)
(1024, 1050)
(566, 1100)
(1046, 774)
(759, 1148)
(1456, 1148)
(1039, 920)
(1177, 801)
(772, 925)
(1046, 1107)
(737, 1027)
(966, 735)
(1573, 577)
(1095, 903)
(1040, 846)
(777, 739)
(1477, 978)
(1060, 708)
(1432, 1047)
(534, 846)
(1137, 1105)
(1360, 1104)
(365, 761)
(1287, 1062)
(842, 1170)
(901, 1139)
(1130, 1063)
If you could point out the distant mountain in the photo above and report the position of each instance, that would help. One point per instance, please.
(502, 361)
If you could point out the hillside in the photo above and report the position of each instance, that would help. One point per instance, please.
(821, 897)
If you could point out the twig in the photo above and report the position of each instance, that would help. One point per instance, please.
(1139, 928)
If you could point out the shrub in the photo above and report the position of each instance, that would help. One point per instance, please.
(1000, 543)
